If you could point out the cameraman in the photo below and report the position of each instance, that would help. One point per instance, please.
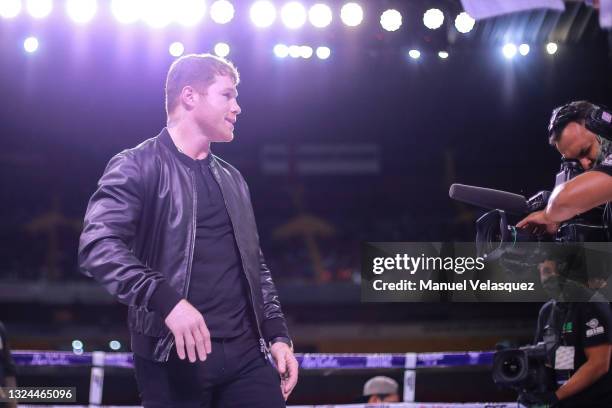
(569, 134)
(584, 327)
(582, 359)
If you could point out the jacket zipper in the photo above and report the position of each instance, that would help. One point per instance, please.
(262, 343)
(190, 261)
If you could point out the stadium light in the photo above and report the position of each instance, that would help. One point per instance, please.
(222, 11)
(39, 8)
(222, 49)
(263, 13)
(464, 23)
(30, 44)
(320, 15)
(305, 51)
(158, 13)
(323, 52)
(81, 11)
(281, 50)
(414, 54)
(188, 13)
(351, 14)
(293, 15)
(176, 49)
(391, 20)
(10, 8)
(433, 18)
(509, 50)
(295, 51)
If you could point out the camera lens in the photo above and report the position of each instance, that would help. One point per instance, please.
(511, 367)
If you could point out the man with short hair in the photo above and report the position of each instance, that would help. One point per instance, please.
(170, 232)
(569, 134)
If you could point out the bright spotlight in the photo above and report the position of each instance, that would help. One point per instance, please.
(509, 50)
(77, 344)
(323, 52)
(176, 49)
(114, 345)
(320, 15)
(222, 11)
(443, 54)
(293, 15)
(414, 54)
(158, 13)
(126, 11)
(305, 51)
(433, 18)
(263, 13)
(523, 49)
(391, 20)
(351, 14)
(81, 11)
(295, 51)
(39, 8)
(464, 23)
(30, 44)
(188, 13)
(10, 8)
(222, 49)
(281, 50)
(551, 48)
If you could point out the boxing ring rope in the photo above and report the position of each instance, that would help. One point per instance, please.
(98, 360)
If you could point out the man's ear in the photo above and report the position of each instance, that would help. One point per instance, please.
(188, 97)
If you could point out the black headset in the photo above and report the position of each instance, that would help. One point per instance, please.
(596, 119)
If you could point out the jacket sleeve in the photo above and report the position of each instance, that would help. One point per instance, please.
(274, 324)
(111, 222)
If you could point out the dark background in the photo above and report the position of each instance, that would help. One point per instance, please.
(475, 118)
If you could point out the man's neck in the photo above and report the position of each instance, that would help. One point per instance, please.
(188, 139)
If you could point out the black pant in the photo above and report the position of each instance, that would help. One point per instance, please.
(236, 374)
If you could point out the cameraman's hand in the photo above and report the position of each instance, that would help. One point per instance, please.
(190, 332)
(538, 399)
(537, 223)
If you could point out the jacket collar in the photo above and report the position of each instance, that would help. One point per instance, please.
(165, 138)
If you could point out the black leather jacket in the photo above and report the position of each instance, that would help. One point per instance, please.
(139, 234)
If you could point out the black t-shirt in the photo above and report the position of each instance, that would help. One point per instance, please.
(582, 325)
(218, 287)
(7, 365)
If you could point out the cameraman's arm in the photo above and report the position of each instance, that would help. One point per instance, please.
(597, 364)
(578, 195)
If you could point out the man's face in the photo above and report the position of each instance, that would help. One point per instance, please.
(579, 143)
(216, 110)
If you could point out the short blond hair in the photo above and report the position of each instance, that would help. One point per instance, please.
(197, 70)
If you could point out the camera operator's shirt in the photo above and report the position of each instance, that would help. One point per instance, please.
(583, 325)
(605, 166)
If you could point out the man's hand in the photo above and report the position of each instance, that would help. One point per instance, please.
(537, 223)
(287, 367)
(190, 332)
(539, 399)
